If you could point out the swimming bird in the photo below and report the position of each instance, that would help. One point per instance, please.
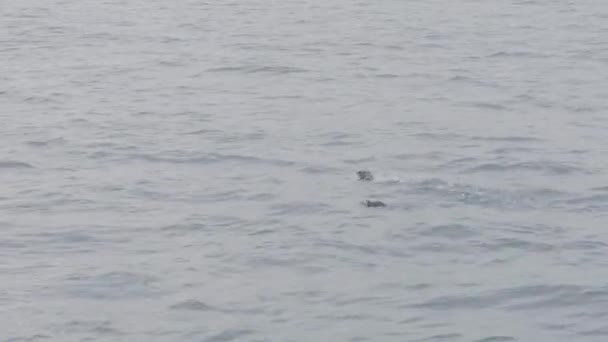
(374, 204)
(365, 175)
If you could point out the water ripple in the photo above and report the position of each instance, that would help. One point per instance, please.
(546, 167)
(192, 305)
(230, 335)
(450, 231)
(103, 328)
(193, 164)
(278, 70)
(112, 285)
(10, 164)
(213, 158)
(518, 298)
(496, 339)
(451, 194)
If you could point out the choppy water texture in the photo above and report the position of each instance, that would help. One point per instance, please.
(185, 170)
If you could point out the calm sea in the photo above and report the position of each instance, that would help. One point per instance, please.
(186, 170)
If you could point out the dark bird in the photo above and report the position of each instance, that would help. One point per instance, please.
(365, 175)
(374, 204)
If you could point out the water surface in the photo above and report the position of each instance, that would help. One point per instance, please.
(185, 170)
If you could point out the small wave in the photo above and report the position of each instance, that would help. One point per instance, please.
(432, 184)
(588, 199)
(460, 78)
(459, 302)
(442, 338)
(230, 335)
(488, 105)
(597, 202)
(496, 339)
(38, 99)
(595, 332)
(507, 150)
(197, 160)
(171, 63)
(227, 69)
(230, 195)
(517, 54)
(562, 296)
(460, 162)
(549, 168)
(422, 75)
(10, 164)
(584, 245)
(470, 80)
(345, 246)
(339, 139)
(346, 317)
(438, 136)
(454, 194)
(533, 100)
(518, 244)
(44, 143)
(527, 2)
(185, 228)
(412, 156)
(66, 238)
(262, 232)
(98, 327)
(394, 47)
(434, 46)
(266, 196)
(338, 135)
(281, 97)
(254, 160)
(529, 295)
(339, 143)
(192, 305)
(359, 161)
(31, 338)
(6, 244)
(507, 139)
(387, 76)
(299, 208)
(387, 179)
(277, 70)
(212, 158)
(450, 231)
(316, 170)
(204, 131)
(113, 285)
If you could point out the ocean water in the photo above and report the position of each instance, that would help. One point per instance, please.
(185, 170)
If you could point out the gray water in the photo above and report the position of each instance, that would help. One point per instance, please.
(185, 170)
